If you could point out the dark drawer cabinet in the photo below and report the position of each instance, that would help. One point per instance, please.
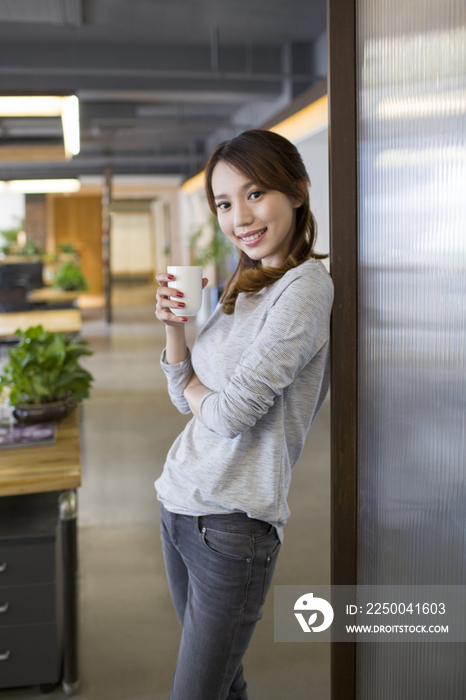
(23, 563)
(31, 655)
(20, 605)
(30, 590)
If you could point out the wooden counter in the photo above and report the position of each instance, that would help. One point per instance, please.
(48, 468)
(60, 320)
(50, 295)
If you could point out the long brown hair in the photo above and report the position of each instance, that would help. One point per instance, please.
(272, 162)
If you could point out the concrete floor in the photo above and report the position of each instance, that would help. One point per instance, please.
(129, 633)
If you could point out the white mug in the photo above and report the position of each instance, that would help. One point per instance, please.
(188, 279)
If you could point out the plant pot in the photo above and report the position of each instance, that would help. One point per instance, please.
(31, 413)
(69, 257)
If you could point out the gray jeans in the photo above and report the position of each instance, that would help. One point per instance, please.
(219, 569)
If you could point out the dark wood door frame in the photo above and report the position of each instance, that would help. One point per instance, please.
(342, 91)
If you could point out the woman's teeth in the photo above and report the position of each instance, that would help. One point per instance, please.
(247, 239)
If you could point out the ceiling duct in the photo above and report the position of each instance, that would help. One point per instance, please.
(42, 11)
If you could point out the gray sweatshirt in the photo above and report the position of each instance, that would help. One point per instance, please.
(267, 366)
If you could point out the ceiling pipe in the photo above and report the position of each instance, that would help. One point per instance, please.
(214, 62)
(287, 70)
(249, 57)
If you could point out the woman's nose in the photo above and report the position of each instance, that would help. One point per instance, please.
(243, 216)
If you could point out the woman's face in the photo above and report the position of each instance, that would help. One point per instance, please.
(258, 221)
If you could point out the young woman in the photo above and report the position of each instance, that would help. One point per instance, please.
(255, 380)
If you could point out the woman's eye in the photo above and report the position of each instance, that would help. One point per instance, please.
(255, 195)
(222, 206)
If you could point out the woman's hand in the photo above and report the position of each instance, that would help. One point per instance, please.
(165, 304)
(194, 393)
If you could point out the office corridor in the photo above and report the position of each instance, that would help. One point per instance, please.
(129, 633)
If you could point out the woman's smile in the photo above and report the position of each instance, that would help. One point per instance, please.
(257, 220)
(253, 237)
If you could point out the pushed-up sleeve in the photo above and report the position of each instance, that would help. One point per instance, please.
(296, 328)
(178, 376)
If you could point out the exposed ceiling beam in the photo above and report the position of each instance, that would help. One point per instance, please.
(87, 66)
(90, 163)
(30, 82)
(220, 96)
(46, 12)
(142, 159)
(238, 76)
(153, 126)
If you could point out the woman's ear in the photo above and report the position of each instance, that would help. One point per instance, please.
(302, 193)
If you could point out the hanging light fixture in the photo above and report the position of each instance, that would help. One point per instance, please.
(48, 106)
(70, 122)
(64, 185)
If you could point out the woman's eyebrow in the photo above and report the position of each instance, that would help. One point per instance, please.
(244, 187)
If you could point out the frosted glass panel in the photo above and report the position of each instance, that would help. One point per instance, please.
(131, 248)
(412, 333)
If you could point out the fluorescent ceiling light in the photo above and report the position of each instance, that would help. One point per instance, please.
(70, 121)
(48, 106)
(41, 186)
(44, 106)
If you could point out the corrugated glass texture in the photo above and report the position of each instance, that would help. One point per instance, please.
(412, 331)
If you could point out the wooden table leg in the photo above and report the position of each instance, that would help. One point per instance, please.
(68, 503)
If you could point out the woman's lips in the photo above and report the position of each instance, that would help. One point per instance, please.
(253, 238)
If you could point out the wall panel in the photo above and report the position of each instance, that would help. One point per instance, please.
(78, 220)
(412, 324)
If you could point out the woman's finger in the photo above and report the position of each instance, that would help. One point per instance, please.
(170, 304)
(164, 277)
(169, 292)
(164, 304)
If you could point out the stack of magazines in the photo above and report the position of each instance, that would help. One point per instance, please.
(17, 435)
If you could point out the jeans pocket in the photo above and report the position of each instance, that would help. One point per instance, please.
(234, 546)
(270, 561)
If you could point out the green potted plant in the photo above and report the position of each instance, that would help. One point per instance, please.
(44, 376)
(66, 252)
(53, 262)
(219, 250)
(67, 248)
(10, 237)
(70, 278)
(30, 249)
(18, 247)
